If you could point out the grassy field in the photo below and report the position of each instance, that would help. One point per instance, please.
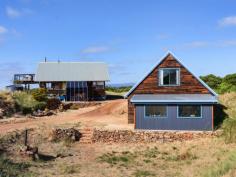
(115, 93)
(207, 157)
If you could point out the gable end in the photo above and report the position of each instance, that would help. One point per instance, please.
(167, 62)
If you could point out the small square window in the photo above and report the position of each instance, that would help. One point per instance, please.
(169, 77)
(154, 111)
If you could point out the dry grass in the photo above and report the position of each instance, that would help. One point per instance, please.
(229, 102)
(203, 157)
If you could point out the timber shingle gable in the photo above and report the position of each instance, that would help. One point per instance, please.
(189, 83)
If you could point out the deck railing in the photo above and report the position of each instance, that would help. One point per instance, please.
(24, 78)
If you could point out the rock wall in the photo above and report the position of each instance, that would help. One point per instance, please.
(62, 134)
(127, 136)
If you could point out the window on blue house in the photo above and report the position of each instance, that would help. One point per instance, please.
(156, 111)
(169, 77)
(189, 111)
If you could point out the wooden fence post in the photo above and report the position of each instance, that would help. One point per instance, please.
(26, 137)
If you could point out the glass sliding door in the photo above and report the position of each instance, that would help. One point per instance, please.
(77, 91)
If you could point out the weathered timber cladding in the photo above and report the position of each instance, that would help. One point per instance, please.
(150, 85)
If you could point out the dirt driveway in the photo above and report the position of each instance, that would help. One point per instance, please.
(109, 115)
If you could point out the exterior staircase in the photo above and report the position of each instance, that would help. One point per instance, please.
(87, 135)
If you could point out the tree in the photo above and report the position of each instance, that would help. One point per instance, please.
(230, 79)
(212, 81)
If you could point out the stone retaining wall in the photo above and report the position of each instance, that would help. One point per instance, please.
(127, 136)
(62, 134)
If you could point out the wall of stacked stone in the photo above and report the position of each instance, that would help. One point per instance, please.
(138, 136)
(59, 134)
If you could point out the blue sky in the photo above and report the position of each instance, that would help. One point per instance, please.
(129, 35)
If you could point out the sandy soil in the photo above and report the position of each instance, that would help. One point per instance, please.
(110, 115)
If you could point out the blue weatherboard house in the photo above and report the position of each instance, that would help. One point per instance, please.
(170, 97)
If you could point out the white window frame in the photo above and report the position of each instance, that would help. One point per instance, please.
(181, 117)
(161, 79)
(153, 117)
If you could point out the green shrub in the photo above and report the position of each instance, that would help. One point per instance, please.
(24, 102)
(225, 88)
(26, 110)
(40, 106)
(53, 103)
(39, 94)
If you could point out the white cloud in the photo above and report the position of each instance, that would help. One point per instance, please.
(209, 44)
(3, 30)
(228, 21)
(194, 44)
(12, 13)
(227, 43)
(95, 49)
(15, 13)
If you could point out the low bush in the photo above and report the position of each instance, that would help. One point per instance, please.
(53, 103)
(7, 103)
(39, 94)
(24, 102)
(40, 106)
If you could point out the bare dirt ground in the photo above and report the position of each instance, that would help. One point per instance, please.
(110, 115)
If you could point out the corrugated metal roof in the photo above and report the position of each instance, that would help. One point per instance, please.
(176, 98)
(72, 71)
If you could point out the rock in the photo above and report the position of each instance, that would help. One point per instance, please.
(62, 134)
(1, 113)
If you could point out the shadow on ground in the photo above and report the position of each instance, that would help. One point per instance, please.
(46, 158)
